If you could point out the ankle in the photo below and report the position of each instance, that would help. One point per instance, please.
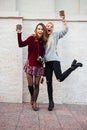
(51, 105)
(35, 106)
(31, 100)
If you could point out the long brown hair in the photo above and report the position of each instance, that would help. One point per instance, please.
(44, 37)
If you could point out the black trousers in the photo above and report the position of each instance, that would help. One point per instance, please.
(54, 66)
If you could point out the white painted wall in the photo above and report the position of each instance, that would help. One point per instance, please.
(8, 8)
(72, 46)
(13, 83)
(7, 5)
(70, 7)
(83, 7)
(10, 62)
(36, 9)
(42, 9)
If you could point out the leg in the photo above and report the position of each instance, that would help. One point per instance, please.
(49, 74)
(58, 72)
(62, 76)
(36, 92)
(30, 86)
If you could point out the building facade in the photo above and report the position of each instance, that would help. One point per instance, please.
(13, 83)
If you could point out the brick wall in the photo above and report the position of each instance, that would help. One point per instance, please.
(73, 45)
(13, 83)
(10, 62)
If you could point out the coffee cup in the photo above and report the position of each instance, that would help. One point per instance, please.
(18, 27)
(62, 13)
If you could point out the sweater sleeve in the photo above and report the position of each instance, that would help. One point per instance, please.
(20, 42)
(63, 33)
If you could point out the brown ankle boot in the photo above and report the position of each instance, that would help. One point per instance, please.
(35, 106)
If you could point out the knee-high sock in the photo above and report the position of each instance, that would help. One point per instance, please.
(31, 90)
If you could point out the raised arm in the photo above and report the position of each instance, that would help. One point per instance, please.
(64, 23)
(65, 30)
(19, 33)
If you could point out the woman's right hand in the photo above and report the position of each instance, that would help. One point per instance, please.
(18, 28)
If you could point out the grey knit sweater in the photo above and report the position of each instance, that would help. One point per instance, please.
(51, 53)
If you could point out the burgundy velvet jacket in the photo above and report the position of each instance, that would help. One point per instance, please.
(35, 49)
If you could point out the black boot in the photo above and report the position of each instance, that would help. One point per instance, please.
(51, 106)
(76, 64)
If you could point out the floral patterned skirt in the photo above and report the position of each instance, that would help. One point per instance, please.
(33, 70)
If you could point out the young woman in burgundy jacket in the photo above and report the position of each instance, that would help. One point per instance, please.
(33, 67)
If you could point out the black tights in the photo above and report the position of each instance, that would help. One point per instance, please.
(55, 66)
(33, 86)
(36, 92)
(50, 91)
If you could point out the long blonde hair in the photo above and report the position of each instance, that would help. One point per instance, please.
(47, 25)
(50, 23)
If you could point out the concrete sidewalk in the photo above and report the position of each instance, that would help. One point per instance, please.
(22, 117)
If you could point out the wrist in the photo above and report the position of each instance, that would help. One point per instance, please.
(18, 31)
(64, 23)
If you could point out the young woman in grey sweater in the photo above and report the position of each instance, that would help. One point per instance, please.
(52, 61)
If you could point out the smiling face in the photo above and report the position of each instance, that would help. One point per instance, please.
(49, 28)
(39, 31)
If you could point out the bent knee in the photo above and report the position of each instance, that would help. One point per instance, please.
(60, 80)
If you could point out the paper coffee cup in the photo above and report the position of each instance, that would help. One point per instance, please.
(61, 13)
(18, 27)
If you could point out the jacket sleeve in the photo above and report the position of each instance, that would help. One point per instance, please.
(20, 42)
(63, 33)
